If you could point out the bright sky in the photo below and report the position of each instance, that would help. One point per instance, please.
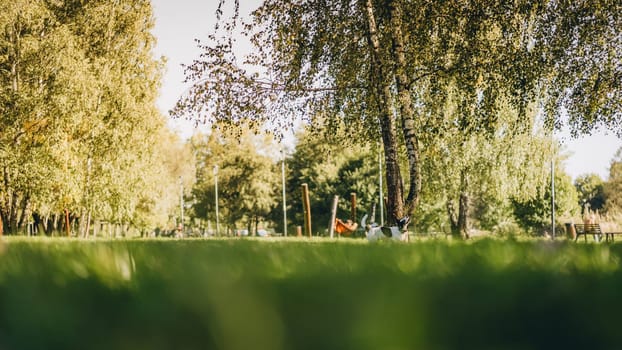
(179, 22)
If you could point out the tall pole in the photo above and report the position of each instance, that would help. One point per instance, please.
(380, 186)
(333, 217)
(553, 183)
(181, 203)
(553, 197)
(284, 199)
(307, 208)
(216, 198)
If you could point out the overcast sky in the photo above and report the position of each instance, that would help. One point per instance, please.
(179, 22)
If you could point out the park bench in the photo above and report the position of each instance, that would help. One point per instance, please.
(593, 229)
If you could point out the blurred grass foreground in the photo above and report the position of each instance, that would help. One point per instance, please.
(286, 294)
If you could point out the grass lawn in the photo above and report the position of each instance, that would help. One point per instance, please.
(308, 294)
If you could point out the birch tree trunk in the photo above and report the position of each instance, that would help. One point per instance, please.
(382, 78)
(459, 221)
(403, 83)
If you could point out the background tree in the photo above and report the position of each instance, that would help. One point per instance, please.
(613, 186)
(247, 181)
(473, 175)
(590, 190)
(534, 214)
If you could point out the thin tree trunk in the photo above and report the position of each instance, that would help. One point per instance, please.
(47, 225)
(13, 212)
(56, 223)
(23, 211)
(406, 106)
(463, 216)
(3, 200)
(82, 223)
(453, 218)
(67, 223)
(463, 210)
(459, 221)
(88, 223)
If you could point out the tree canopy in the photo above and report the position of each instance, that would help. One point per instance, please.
(384, 68)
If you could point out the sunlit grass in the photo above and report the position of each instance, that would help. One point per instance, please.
(289, 293)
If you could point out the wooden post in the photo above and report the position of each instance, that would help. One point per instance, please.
(307, 208)
(353, 206)
(67, 228)
(333, 217)
(298, 231)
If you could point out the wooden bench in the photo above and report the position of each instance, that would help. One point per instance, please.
(611, 234)
(593, 229)
(586, 229)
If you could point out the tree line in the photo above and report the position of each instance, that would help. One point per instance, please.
(81, 139)
(508, 189)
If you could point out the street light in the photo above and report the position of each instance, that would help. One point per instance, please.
(216, 197)
(284, 203)
(181, 204)
(553, 186)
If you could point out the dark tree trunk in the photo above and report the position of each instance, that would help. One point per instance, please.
(249, 226)
(23, 211)
(37, 223)
(453, 218)
(13, 212)
(459, 220)
(463, 216)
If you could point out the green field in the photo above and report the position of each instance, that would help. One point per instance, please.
(311, 294)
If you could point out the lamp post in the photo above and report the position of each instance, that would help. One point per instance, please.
(216, 198)
(284, 198)
(553, 195)
(553, 181)
(181, 203)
